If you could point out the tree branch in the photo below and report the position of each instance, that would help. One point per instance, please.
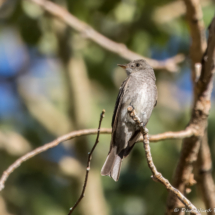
(118, 48)
(154, 138)
(204, 180)
(157, 176)
(88, 165)
(191, 145)
(188, 132)
(203, 169)
(197, 31)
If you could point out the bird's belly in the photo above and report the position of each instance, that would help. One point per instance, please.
(142, 102)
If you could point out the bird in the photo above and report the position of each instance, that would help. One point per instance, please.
(139, 91)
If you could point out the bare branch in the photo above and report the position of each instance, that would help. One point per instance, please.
(157, 176)
(88, 165)
(197, 31)
(191, 145)
(203, 169)
(188, 132)
(45, 147)
(154, 138)
(120, 49)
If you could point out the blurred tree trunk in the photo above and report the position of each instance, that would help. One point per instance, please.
(80, 111)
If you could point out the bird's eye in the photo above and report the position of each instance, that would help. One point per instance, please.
(137, 64)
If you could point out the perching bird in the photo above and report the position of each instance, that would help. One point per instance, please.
(140, 92)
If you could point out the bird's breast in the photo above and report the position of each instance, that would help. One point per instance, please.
(140, 95)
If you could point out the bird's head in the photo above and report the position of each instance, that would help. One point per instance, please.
(135, 66)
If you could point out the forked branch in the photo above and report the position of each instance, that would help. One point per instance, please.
(199, 118)
(157, 176)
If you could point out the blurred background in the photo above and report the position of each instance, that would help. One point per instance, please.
(53, 81)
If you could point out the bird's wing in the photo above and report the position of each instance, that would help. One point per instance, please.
(122, 90)
(156, 100)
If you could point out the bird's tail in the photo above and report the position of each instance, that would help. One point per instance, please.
(112, 165)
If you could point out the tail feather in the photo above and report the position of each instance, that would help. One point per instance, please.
(112, 165)
(115, 172)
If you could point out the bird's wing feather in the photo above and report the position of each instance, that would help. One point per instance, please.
(156, 100)
(119, 101)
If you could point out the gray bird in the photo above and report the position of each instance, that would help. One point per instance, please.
(138, 90)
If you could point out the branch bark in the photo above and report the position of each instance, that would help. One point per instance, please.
(197, 31)
(117, 48)
(191, 145)
(204, 177)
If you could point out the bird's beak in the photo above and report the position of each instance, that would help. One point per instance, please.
(122, 65)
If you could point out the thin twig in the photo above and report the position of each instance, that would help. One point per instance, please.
(169, 64)
(157, 176)
(154, 138)
(88, 165)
